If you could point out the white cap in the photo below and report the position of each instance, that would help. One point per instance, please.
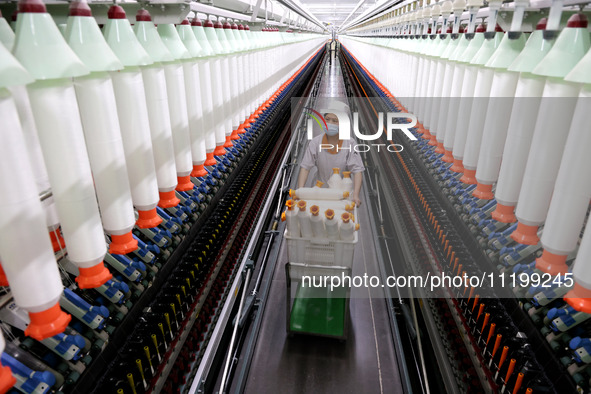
(446, 7)
(335, 105)
(459, 5)
(436, 10)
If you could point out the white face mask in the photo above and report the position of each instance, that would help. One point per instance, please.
(332, 129)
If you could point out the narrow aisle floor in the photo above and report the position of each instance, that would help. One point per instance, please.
(332, 84)
(364, 363)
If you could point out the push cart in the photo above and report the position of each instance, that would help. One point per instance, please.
(317, 296)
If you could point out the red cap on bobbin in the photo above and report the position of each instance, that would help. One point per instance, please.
(542, 24)
(116, 12)
(47, 323)
(219, 150)
(196, 22)
(57, 241)
(426, 134)
(122, 244)
(526, 234)
(168, 199)
(80, 8)
(432, 140)
(579, 298)
(184, 183)
(504, 213)
(143, 16)
(469, 177)
(210, 161)
(93, 277)
(148, 219)
(447, 156)
(3, 279)
(440, 149)
(32, 6)
(6, 379)
(228, 143)
(577, 21)
(199, 171)
(554, 264)
(483, 192)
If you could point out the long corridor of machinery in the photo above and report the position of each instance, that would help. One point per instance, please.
(367, 361)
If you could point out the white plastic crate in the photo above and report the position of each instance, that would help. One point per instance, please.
(319, 251)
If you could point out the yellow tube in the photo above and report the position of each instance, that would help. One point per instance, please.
(155, 341)
(138, 363)
(161, 326)
(131, 383)
(147, 352)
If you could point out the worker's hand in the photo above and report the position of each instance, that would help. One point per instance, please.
(356, 200)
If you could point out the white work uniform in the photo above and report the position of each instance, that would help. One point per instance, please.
(346, 159)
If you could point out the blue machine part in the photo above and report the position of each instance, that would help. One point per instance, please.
(499, 240)
(125, 266)
(133, 264)
(90, 312)
(66, 346)
(565, 318)
(581, 349)
(27, 380)
(146, 251)
(173, 224)
(114, 291)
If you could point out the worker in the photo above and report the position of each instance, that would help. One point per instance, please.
(332, 49)
(326, 151)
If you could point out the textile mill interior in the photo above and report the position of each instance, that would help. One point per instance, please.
(296, 196)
